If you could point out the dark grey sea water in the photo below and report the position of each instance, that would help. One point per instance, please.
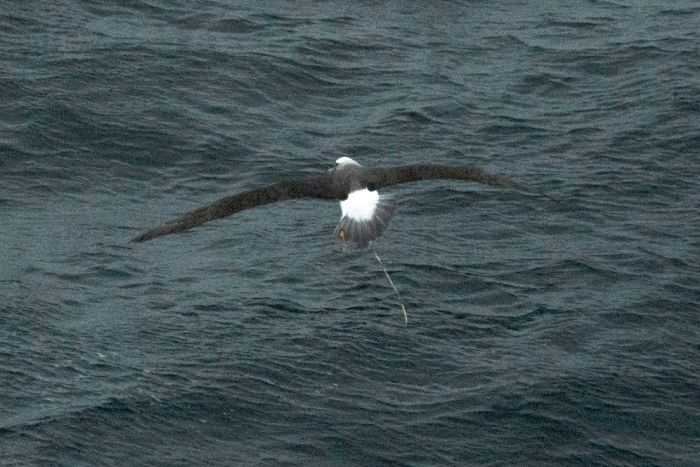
(558, 329)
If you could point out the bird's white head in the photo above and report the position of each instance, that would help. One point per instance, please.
(344, 160)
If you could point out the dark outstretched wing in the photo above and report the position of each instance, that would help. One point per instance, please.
(312, 187)
(382, 177)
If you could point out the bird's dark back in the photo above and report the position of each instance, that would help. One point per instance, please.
(346, 178)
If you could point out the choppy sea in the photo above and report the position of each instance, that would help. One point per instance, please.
(554, 325)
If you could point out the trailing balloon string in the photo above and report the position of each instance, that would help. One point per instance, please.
(393, 286)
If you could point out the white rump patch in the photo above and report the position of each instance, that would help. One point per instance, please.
(360, 205)
(365, 216)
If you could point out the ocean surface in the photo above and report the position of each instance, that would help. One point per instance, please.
(553, 324)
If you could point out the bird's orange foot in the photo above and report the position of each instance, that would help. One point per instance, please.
(341, 236)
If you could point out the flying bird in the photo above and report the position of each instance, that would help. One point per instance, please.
(364, 212)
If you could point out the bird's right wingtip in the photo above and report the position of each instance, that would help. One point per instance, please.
(502, 181)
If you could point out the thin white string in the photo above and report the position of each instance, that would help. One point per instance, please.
(393, 286)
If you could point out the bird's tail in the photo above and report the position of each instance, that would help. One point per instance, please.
(361, 231)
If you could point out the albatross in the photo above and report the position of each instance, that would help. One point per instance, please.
(364, 212)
